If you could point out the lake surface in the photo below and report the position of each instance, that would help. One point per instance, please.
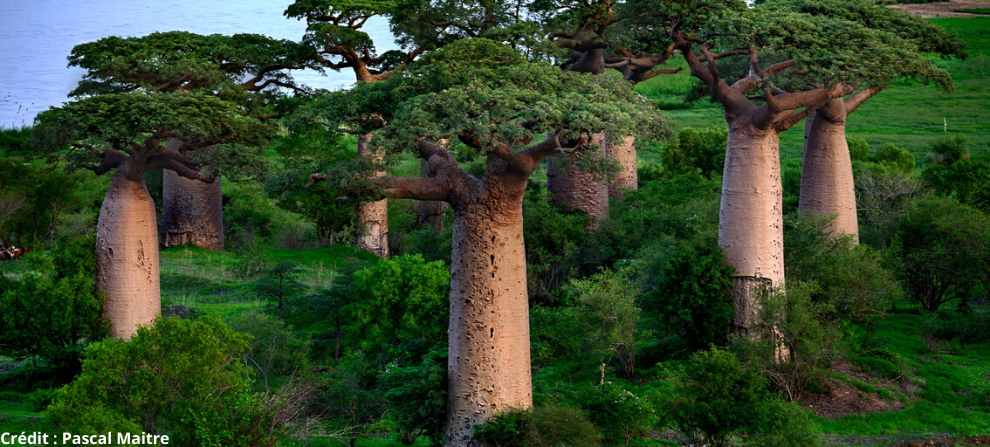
(36, 37)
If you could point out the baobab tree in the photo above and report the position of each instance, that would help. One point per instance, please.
(125, 133)
(247, 68)
(334, 34)
(827, 186)
(489, 98)
(596, 39)
(814, 49)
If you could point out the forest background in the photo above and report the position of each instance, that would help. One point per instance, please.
(336, 357)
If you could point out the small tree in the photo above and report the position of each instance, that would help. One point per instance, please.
(279, 286)
(607, 308)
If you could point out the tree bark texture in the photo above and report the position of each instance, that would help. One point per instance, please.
(430, 212)
(192, 212)
(372, 216)
(751, 230)
(576, 189)
(488, 365)
(489, 353)
(127, 256)
(827, 186)
(625, 153)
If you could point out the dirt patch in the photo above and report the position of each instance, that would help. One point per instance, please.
(981, 440)
(843, 399)
(944, 9)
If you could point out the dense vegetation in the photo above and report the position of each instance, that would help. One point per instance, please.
(292, 336)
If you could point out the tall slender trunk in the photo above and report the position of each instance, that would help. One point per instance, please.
(372, 216)
(192, 212)
(623, 152)
(576, 189)
(827, 186)
(489, 357)
(750, 217)
(127, 256)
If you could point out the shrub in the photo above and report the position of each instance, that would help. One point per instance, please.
(553, 240)
(543, 426)
(690, 294)
(418, 397)
(404, 309)
(898, 157)
(177, 376)
(966, 180)
(55, 311)
(948, 150)
(606, 306)
(620, 413)
(279, 286)
(275, 354)
(696, 150)
(716, 397)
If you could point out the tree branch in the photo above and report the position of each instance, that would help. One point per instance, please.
(859, 98)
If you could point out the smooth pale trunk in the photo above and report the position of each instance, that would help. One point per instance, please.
(576, 189)
(750, 218)
(827, 186)
(489, 358)
(372, 216)
(127, 256)
(192, 212)
(624, 152)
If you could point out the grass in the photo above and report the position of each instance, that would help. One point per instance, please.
(974, 11)
(906, 114)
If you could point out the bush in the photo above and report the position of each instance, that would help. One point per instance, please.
(543, 426)
(948, 150)
(418, 397)
(404, 308)
(897, 157)
(716, 397)
(966, 180)
(690, 295)
(178, 377)
(55, 311)
(696, 150)
(553, 240)
(620, 413)
(275, 354)
(606, 306)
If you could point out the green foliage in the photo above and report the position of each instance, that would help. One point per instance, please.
(279, 286)
(689, 296)
(54, 312)
(275, 353)
(967, 180)
(403, 310)
(939, 246)
(859, 149)
(898, 157)
(696, 150)
(166, 61)
(33, 199)
(620, 413)
(848, 279)
(418, 396)
(606, 307)
(176, 376)
(553, 240)
(91, 126)
(543, 426)
(13, 141)
(948, 150)
(355, 404)
(716, 397)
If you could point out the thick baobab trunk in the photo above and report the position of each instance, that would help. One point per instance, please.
(827, 186)
(372, 216)
(576, 189)
(127, 256)
(192, 212)
(489, 356)
(623, 152)
(751, 230)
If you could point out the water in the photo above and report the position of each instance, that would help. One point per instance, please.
(36, 36)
